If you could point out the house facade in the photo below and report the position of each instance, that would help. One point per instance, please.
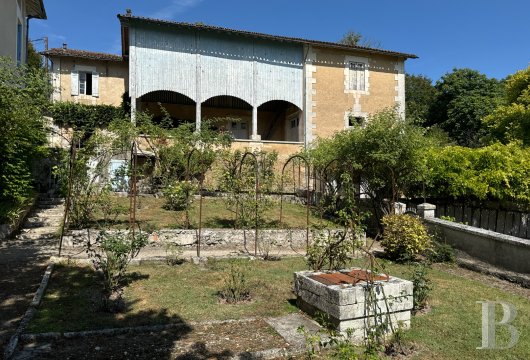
(87, 77)
(14, 26)
(277, 93)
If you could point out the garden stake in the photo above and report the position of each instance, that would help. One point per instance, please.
(68, 196)
(256, 169)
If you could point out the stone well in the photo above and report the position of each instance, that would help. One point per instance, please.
(343, 296)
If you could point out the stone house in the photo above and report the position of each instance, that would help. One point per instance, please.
(14, 26)
(87, 77)
(280, 93)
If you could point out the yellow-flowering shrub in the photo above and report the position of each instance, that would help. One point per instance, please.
(404, 236)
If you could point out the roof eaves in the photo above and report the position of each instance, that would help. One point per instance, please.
(126, 19)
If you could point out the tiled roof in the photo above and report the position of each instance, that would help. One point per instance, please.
(61, 52)
(128, 19)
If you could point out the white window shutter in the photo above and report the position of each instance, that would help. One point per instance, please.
(74, 76)
(95, 84)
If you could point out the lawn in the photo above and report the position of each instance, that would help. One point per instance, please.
(159, 293)
(151, 212)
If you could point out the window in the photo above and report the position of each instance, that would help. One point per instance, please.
(85, 83)
(19, 43)
(357, 79)
(295, 122)
(355, 121)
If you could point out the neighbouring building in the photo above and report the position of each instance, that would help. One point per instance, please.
(281, 93)
(87, 77)
(14, 26)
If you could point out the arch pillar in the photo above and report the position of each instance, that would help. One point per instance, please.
(255, 135)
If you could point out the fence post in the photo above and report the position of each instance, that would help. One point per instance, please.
(426, 210)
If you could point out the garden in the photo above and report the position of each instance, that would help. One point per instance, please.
(126, 183)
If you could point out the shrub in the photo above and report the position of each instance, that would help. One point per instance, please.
(235, 287)
(174, 254)
(404, 237)
(331, 250)
(422, 286)
(441, 253)
(179, 195)
(111, 255)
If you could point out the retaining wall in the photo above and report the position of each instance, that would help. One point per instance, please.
(509, 252)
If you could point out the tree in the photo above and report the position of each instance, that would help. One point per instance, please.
(419, 95)
(511, 120)
(388, 153)
(34, 58)
(354, 38)
(24, 97)
(463, 97)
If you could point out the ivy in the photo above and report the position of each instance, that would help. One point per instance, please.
(87, 117)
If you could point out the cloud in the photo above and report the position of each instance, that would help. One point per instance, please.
(176, 7)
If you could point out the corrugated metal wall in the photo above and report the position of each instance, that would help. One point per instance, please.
(202, 65)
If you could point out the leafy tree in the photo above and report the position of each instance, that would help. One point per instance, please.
(34, 58)
(511, 120)
(500, 172)
(354, 38)
(419, 95)
(463, 97)
(388, 154)
(24, 96)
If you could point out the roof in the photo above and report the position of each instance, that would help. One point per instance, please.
(129, 19)
(35, 9)
(62, 52)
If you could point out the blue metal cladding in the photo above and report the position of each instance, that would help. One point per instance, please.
(203, 64)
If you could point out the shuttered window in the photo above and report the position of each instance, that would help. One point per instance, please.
(85, 83)
(357, 79)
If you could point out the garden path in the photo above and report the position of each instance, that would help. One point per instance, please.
(23, 260)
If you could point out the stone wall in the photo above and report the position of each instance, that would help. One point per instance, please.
(506, 251)
(210, 237)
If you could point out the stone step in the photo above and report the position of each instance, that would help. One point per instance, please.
(33, 223)
(39, 230)
(36, 236)
(55, 201)
(48, 206)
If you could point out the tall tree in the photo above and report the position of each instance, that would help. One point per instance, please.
(34, 59)
(463, 98)
(511, 120)
(24, 96)
(419, 95)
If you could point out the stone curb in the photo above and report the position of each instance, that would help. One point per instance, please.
(510, 276)
(32, 309)
(261, 354)
(122, 330)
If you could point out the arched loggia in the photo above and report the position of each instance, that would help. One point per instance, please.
(181, 109)
(280, 120)
(231, 114)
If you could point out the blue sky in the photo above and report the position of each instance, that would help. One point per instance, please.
(486, 35)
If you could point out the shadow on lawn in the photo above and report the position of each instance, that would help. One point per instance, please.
(70, 305)
(21, 270)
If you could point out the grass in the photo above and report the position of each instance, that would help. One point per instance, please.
(160, 293)
(151, 213)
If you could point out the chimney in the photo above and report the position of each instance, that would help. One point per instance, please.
(128, 12)
(65, 46)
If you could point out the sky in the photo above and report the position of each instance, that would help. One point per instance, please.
(486, 35)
